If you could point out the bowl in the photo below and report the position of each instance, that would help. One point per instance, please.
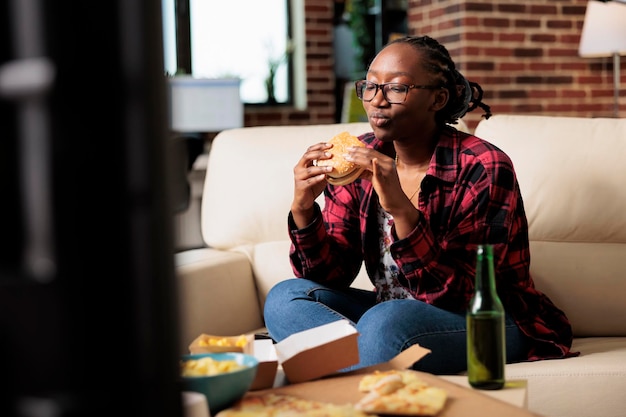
(224, 388)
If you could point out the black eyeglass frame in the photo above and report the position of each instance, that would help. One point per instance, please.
(360, 84)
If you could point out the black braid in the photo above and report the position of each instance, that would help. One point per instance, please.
(465, 96)
(477, 100)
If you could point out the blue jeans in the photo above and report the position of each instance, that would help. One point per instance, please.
(385, 329)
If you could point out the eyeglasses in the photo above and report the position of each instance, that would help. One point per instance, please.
(394, 93)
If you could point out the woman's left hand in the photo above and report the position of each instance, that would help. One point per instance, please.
(381, 170)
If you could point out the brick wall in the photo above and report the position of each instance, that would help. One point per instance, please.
(524, 55)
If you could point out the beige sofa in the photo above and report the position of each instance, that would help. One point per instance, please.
(573, 180)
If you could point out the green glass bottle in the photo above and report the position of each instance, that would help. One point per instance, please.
(486, 342)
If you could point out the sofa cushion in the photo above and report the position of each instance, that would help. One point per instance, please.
(578, 242)
(591, 383)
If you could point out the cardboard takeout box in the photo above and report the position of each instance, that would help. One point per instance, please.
(318, 352)
(268, 364)
(307, 355)
(342, 388)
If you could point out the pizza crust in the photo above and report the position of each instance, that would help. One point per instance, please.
(283, 405)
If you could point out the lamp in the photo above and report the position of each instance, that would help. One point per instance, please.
(199, 105)
(604, 35)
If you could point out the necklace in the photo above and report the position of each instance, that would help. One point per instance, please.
(418, 186)
(415, 192)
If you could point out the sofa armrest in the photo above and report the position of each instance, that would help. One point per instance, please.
(217, 294)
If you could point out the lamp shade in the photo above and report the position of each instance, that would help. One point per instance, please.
(200, 105)
(604, 30)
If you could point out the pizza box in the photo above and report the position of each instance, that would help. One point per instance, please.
(304, 356)
(342, 388)
(265, 352)
(318, 352)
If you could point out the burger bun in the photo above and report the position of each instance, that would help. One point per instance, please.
(344, 172)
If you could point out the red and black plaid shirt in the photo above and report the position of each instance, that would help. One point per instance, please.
(469, 196)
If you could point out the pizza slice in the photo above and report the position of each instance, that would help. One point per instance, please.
(367, 383)
(401, 393)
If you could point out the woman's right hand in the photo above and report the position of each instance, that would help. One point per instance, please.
(309, 182)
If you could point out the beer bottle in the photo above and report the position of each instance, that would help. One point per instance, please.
(486, 343)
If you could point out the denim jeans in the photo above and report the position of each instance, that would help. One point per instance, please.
(385, 329)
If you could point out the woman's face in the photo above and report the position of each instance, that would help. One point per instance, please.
(401, 63)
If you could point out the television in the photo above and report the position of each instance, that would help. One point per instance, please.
(88, 303)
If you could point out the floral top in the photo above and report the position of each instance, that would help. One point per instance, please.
(469, 196)
(386, 276)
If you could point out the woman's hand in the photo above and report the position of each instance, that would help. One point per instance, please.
(309, 182)
(381, 170)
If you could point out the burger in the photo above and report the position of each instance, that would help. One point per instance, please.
(344, 172)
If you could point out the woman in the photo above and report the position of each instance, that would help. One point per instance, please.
(428, 195)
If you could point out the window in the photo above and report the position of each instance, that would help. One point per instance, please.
(243, 39)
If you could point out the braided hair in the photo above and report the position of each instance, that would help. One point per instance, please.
(465, 96)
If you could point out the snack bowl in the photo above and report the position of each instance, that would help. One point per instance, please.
(224, 378)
